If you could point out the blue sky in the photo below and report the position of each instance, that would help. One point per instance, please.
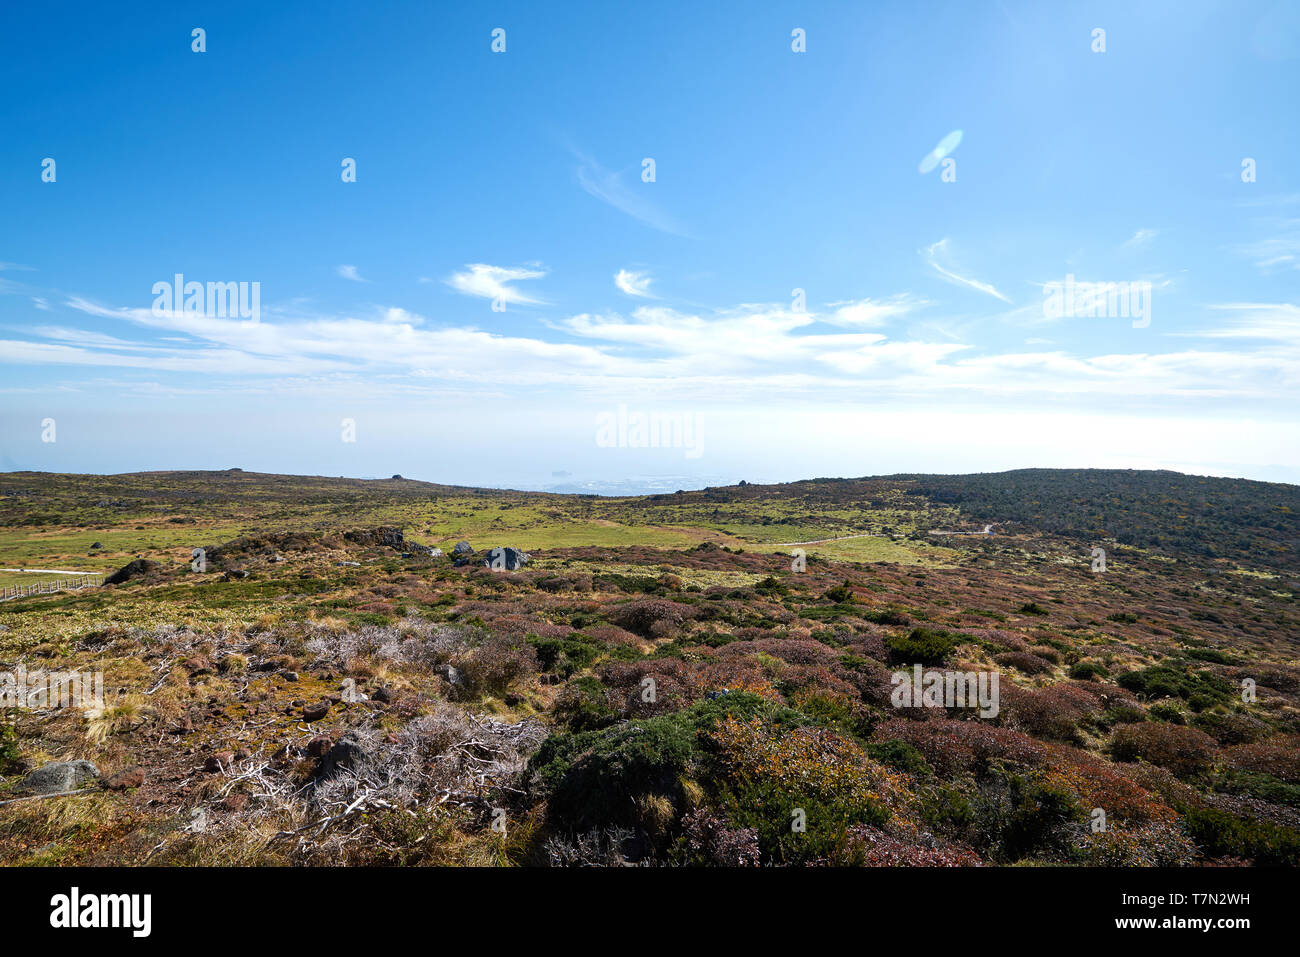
(923, 343)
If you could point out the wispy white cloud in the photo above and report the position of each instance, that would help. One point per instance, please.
(634, 200)
(1140, 239)
(494, 282)
(350, 272)
(871, 312)
(939, 251)
(1274, 252)
(1254, 320)
(744, 351)
(634, 283)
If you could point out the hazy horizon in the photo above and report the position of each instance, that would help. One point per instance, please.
(855, 239)
(630, 486)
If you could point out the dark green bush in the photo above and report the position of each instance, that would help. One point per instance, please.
(592, 778)
(1259, 785)
(582, 706)
(1164, 681)
(840, 594)
(10, 756)
(948, 811)
(900, 756)
(1088, 670)
(925, 646)
(1220, 834)
(1017, 817)
(566, 655)
(771, 586)
(886, 616)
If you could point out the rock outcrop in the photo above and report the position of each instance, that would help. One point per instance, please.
(137, 568)
(58, 776)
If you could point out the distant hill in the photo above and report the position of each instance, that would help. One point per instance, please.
(1234, 520)
(1189, 514)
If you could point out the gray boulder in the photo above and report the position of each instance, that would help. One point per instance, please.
(451, 673)
(59, 776)
(463, 548)
(507, 559)
(345, 756)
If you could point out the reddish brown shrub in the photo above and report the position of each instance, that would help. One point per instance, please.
(651, 617)
(960, 747)
(1099, 783)
(1007, 639)
(1051, 712)
(632, 698)
(612, 635)
(869, 645)
(794, 651)
(1184, 751)
(1025, 662)
(1279, 757)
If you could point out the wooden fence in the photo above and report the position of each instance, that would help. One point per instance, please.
(49, 586)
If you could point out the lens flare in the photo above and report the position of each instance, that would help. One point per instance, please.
(936, 155)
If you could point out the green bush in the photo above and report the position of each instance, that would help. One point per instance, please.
(592, 778)
(1018, 817)
(834, 710)
(1221, 834)
(771, 781)
(900, 756)
(1259, 785)
(840, 594)
(1164, 681)
(771, 586)
(1088, 670)
(567, 655)
(10, 756)
(925, 646)
(1164, 711)
(948, 811)
(582, 706)
(886, 616)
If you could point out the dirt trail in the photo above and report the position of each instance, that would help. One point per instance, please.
(821, 541)
(50, 571)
